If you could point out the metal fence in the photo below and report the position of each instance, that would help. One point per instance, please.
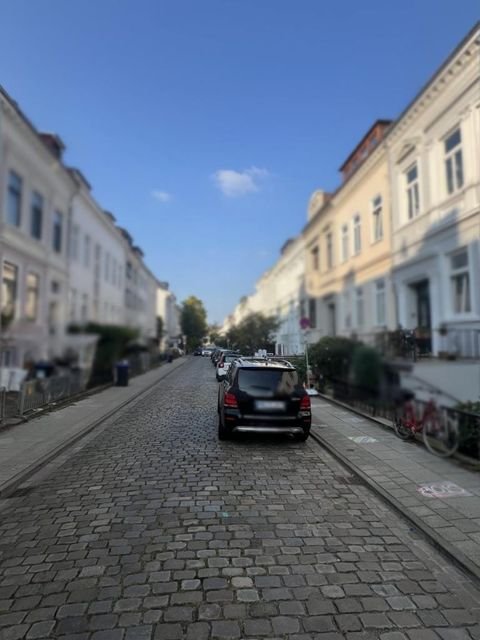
(385, 405)
(451, 342)
(38, 393)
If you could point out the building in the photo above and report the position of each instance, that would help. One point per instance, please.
(140, 292)
(348, 247)
(64, 260)
(36, 194)
(434, 170)
(169, 311)
(97, 260)
(278, 293)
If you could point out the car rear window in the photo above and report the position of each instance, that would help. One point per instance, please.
(260, 382)
(230, 358)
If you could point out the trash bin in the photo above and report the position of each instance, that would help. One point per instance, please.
(121, 369)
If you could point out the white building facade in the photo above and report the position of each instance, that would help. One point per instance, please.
(279, 293)
(63, 259)
(434, 167)
(168, 310)
(97, 258)
(36, 193)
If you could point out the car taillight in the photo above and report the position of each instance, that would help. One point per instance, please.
(230, 400)
(220, 366)
(305, 404)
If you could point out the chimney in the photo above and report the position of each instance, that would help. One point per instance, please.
(54, 143)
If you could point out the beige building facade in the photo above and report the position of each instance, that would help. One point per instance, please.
(348, 249)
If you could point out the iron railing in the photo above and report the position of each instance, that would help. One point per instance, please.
(385, 404)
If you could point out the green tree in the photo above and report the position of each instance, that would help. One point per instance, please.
(214, 334)
(256, 331)
(193, 321)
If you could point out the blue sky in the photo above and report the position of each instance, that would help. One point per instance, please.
(205, 125)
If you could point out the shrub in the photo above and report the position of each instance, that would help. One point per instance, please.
(331, 357)
(469, 429)
(111, 346)
(367, 369)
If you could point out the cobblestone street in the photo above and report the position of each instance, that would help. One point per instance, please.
(156, 530)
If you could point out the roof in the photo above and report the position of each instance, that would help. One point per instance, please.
(377, 123)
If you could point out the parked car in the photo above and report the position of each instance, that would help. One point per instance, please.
(263, 395)
(224, 363)
(198, 351)
(216, 355)
(206, 351)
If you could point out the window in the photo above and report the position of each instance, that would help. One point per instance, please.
(329, 250)
(55, 286)
(454, 161)
(357, 234)
(31, 302)
(312, 312)
(257, 382)
(14, 199)
(36, 215)
(74, 236)
(9, 290)
(315, 253)
(380, 302)
(377, 218)
(460, 279)
(57, 231)
(114, 271)
(345, 242)
(413, 192)
(359, 307)
(86, 251)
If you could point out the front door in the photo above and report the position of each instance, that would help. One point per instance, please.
(424, 321)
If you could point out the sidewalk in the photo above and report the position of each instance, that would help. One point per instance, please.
(438, 496)
(26, 447)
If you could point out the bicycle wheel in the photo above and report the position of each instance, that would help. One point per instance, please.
(400, 424)
(440, 434)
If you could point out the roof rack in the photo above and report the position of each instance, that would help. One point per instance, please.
(269, 360)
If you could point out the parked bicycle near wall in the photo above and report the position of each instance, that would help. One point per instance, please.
(438, 426)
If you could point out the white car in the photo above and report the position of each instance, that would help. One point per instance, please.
(207, 352)
(224, 365)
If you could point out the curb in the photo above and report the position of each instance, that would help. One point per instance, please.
(442, 545)
(9, 487)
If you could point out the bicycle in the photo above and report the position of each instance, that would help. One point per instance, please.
(438, 427)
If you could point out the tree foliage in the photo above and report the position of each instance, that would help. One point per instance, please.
(193, 321)
(256, 331)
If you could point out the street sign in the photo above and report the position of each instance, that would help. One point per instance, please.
(304, 323)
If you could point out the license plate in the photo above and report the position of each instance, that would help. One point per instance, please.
(270, 405)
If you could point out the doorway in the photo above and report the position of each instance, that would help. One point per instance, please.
(421, 291)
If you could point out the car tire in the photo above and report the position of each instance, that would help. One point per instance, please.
(302, 437)
(224, 432)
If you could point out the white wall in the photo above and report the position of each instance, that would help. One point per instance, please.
(22, 151)
(96, 265)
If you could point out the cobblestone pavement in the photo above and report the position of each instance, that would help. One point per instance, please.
(156, 530)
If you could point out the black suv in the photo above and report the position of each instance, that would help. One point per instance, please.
(265, 396)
